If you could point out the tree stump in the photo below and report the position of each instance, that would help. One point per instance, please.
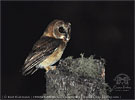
(77, 79)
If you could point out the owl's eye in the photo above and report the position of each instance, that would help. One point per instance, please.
(62, 30)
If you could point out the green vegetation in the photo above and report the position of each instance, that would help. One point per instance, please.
(77, 79)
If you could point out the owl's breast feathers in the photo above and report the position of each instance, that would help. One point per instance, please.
(45, 50)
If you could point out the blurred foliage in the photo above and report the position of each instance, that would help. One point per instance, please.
(77, 79)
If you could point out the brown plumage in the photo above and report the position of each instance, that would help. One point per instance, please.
(49, 48)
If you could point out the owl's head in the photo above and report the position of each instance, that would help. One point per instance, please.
(59, 30)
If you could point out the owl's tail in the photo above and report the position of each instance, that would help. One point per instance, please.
(29, 70)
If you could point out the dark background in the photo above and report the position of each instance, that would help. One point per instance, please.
(103, 29)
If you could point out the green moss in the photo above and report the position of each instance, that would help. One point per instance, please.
(80, 77)
(85, 67)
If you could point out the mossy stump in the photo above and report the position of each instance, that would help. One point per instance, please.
(77, 79)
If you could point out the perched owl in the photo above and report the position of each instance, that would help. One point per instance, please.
(49, 48)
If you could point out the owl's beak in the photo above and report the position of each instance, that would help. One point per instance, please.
(67, 34)
(67, 39)
(69, 30)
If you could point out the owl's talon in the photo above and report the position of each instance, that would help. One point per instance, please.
(50, 68)
(53, 67)
(47, 69)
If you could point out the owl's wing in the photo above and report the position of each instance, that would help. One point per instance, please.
(40, 51)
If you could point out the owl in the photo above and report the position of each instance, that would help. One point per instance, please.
(49, 48)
